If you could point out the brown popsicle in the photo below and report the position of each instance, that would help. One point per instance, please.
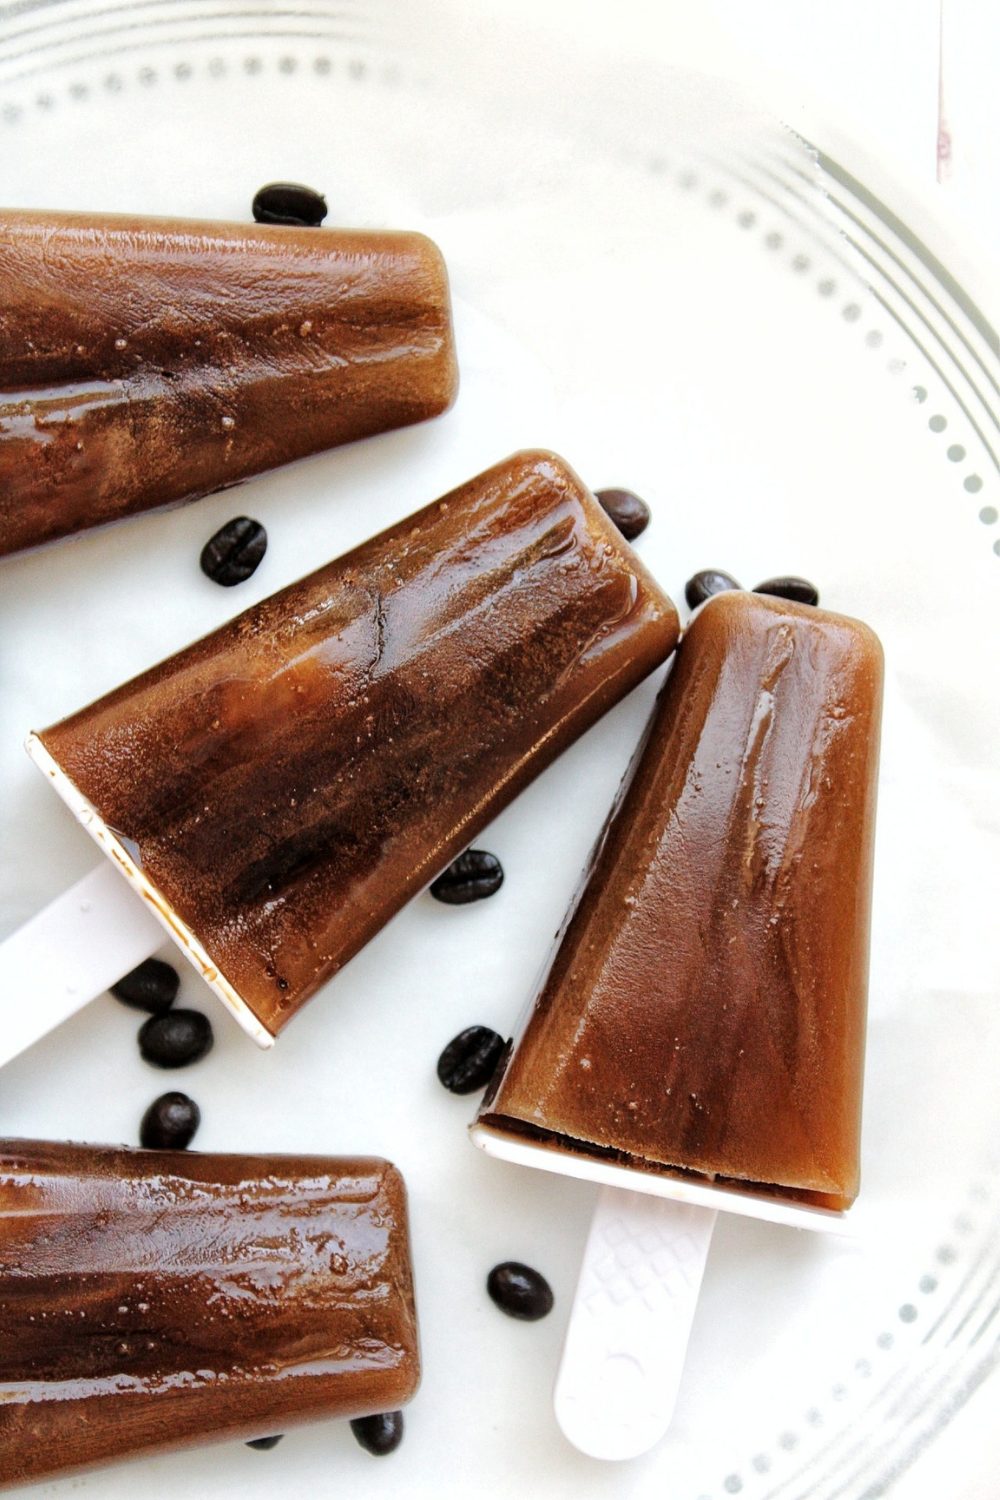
(279, 789)
(149, 361)
(705, 1008)
(159, 1299)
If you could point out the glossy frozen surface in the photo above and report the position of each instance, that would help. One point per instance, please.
(155, 1299)
(147, 361)
(287, 783)
(705, 1009)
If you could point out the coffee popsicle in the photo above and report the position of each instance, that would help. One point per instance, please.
(278, 790)
(149, 361)
(700, 1032)
(159, 1299)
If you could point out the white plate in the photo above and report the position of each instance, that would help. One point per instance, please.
(649, 278)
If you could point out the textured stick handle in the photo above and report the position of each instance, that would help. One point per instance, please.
(628, 1331)
(69, 953)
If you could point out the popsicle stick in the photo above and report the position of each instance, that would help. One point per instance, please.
(628, 1332)
(69, 953)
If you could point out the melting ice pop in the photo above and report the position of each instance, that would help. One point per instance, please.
(277, 791)
(149, 361)
(700, 1032)
(159, 1299)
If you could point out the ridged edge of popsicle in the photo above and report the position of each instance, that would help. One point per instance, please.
(526, 1153)
(86, 814)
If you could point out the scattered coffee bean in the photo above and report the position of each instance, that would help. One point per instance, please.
(800, 590)
(706, 583)
(235, 552)
(380, 1434)
(473, 876)
(629, 513)
(152, 986)
(519, 1291)
(169, 1123)
(175, 1039)
(289, 203)
(469, 1060)
(265, 1443)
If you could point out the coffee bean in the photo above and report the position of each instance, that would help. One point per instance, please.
(265, 1443)
(152, 986)
(519, 1291)
(706, 583)
(629, 513)
(289, 203)
(800, 590)
(235, 552)
(473, 876)
(469, 1060)
(169, 1123)
(380, 1434)
(175, 1039)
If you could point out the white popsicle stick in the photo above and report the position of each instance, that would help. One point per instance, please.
(70, 953)
(628, 1332)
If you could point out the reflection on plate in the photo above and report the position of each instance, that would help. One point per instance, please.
(653, 277)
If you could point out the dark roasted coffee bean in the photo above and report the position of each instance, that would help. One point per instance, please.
(289, 203)
(519, 1291)
(380, 1434)
(152, 986)
(469, 1060)
(176, 1039)
(706, 583)
(169, 1123)
(265, 1443)
(629, 513)
(800, 590)
(234, 553)
(473, 876)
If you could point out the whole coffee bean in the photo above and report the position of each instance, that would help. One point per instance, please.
(800, 590)
(152, 986)
(380, 1434)
(235, 552)
(289, 203)
(169, 1123)
(629, 513)
(176, 1039)
(519, 1291)
(265, 1443)
(473, 876)
(706, 583)
(469, 1060)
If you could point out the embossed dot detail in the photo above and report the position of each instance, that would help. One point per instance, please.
(814, 1417)
(687, 180)
(996, 547)
(357, 68)
(973, 483)
(761, 1462)
(788, 1441)
(826, 288)
(839, 1392)
(896, 366)
(907, 1313)
(251, 65)
(147, 76)
(920, 394)
(964, 1224)
(732, 1484)
(956, 453)
(774, 240)
(937, 423)
(885, 1341)
(718, 199)
(183, 71)
(946, 1255)
(321, 65)
(851, 313)
(873, 338)
(988, 515)
(863, 1368)
(287, 65)
(801, 263)
(746, 220)
(216, 67)
(113, 83)
(927, 1284)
